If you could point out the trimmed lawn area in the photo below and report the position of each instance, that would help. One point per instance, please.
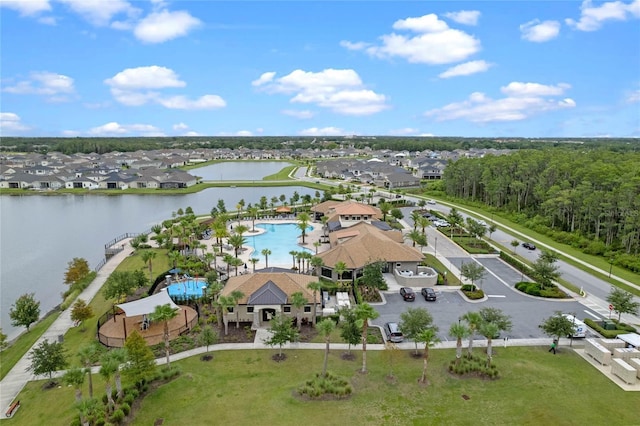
(247, 387)
(10, 356)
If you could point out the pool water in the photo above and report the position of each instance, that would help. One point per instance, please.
(280, 238)
(190, 288)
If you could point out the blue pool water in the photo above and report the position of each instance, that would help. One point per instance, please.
(280, 238)
(191, 288)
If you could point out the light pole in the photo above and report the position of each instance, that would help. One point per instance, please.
(610, 266)
(435, 248)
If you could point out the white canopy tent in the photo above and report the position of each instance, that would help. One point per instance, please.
(147, 305)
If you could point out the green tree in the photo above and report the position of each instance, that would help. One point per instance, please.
(88, 356)
(75, 377)
(385, 208)
(350, 331)
(455, 219)
(253, 261)
(315, 287)
(3, 340)
(147, 257)
(515, 244)
(557, 326)
(80, 312)
(413, 321)
(303, 224)
(459, 331)
(474, 321)
(545, 271)
(236, 295)
(208, 337)
(622, 302)
(429, 337)
(118, 356)
(25, 311)
(489, 330)
(140, 360)
(497, 317)
(282, 331)
(340, 268)
(225, 303)
(472, 271)
(364, 313)
(164, 314)
(46, 358)
(108, 367)
(77, 270)
(396, 213)
(298, 301)
(326, 327)
(237, 241)
(123, 283)
(266, 252)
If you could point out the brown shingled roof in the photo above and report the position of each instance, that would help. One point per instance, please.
(285, 281)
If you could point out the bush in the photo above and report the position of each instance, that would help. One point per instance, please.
(607, 334)
(69, 300)
(126, 408)
(327, 385)
(117, 416)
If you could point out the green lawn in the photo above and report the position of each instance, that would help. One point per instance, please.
(10, 356)
(247, 387)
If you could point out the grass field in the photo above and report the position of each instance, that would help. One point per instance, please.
(247, 387)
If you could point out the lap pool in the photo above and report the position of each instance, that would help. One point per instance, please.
(280, 238)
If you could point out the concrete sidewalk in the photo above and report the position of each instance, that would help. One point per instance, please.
(17, 378)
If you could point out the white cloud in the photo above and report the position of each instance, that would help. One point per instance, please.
(539, 32)
(523, 100)
(11, 123)
(192, 133)
(517, 88)
(182, 102)
(27, 7)
(99, 12)
(48, 20)
(116, 129)
(180, 126)
(139, 86)
(162, 26)
(633, 97)
(435, 42)
(341, 91)
(407, 131)
(55, 86)
(304, 114)
(152, 77)
(263, 79)
(466, 17)
(592, 17)
(467, 68)
(238, 133)
(324, 131)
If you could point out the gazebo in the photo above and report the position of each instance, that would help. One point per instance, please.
(283, 210)
(135, 316)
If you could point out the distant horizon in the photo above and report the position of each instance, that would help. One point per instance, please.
(122, 68)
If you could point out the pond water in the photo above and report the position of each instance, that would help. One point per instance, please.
(239, 170)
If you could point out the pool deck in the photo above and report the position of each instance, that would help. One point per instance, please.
(312, 236)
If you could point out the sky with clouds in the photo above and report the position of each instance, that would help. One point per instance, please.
(474, 69)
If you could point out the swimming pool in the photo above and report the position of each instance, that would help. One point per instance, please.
(187, 289)
(280, 238)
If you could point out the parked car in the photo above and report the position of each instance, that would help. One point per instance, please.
(529, 245)
(432, 202)
(392, 330)
(429, 294)
(407, 294)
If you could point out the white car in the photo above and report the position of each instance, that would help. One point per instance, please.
(432, 202)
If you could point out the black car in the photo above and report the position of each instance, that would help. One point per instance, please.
(529, 246)
(407, 294)
(429, 294)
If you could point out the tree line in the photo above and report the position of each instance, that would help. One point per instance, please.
(589, 199)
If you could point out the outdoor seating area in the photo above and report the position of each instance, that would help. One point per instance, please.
(423, 277)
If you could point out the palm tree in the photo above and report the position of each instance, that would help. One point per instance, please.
(488, 330)
(228, 260)
(415, 216)
(474, 321)
(253, 261)
(315, 287)
(293, 254)
(241, 229)
(266, 252)
(164, 313)
(317, 245)
(237, 241)
(305, 256)
(107, 369)
(326, 327)
(340, 268)
(173, 256)
(75, 378)
(226, 302)
(236, 262)
(89, 355)
(119, 356)
(459, 331)
(298, 301)
(317, 263)
(423, 223)
(415, 236)
(147, 256)
(88, 409)
(303, 223)
(236, 295)
(365, 312)
(385, 208)
(429, 337)
(253, 212)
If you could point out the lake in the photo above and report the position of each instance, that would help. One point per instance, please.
(39, 235)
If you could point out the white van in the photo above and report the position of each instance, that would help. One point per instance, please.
(580, 329)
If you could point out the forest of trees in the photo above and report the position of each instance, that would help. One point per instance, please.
(589, 199)
(395, 143)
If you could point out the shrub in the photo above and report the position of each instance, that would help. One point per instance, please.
(128, 399)
(117, 416)
(607, 334)
(126, 408)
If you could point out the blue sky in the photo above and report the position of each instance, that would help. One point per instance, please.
(473, 69)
